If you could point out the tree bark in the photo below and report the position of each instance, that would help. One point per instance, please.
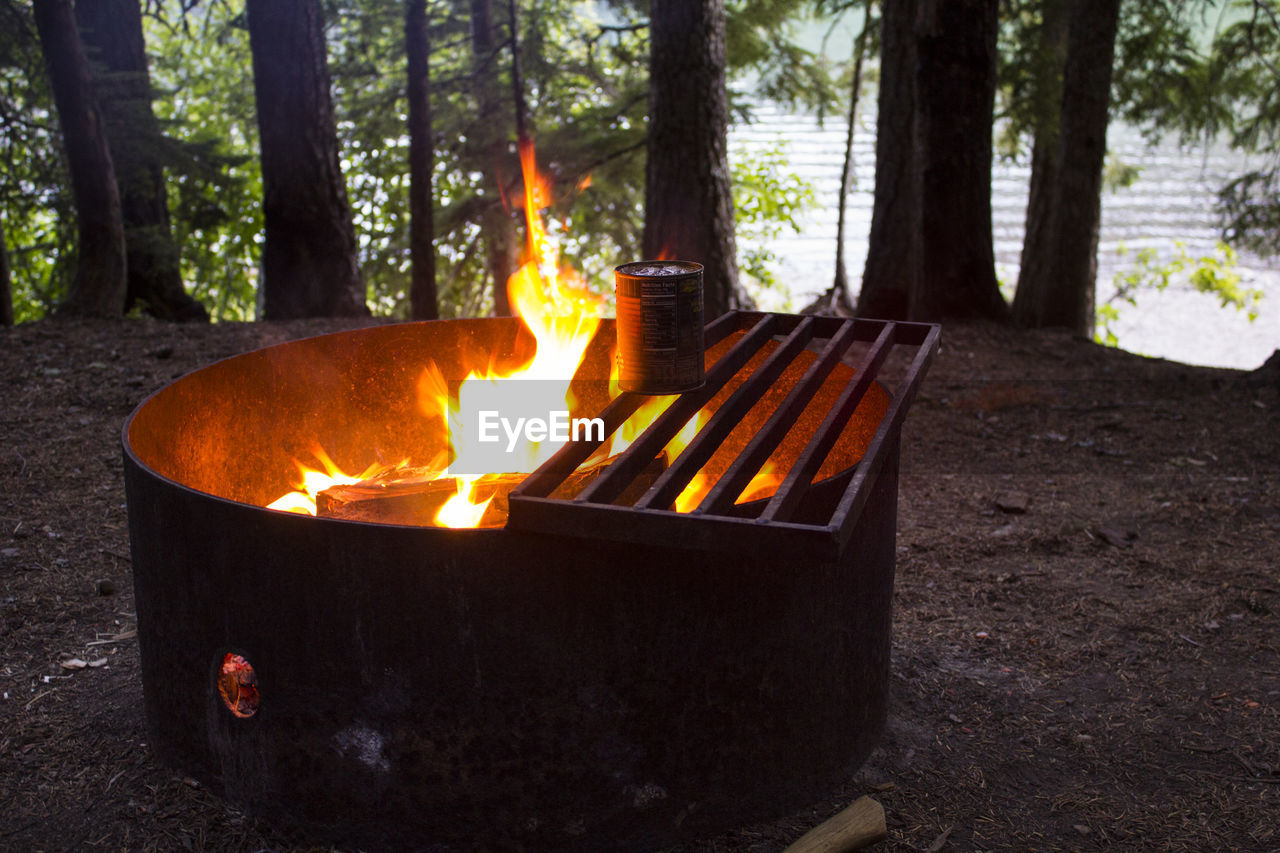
(309, 257)
(98, 288)
(423, 302)
(6, 285)
(893, 249)
(955, 101)
(112, 34)
(1058, 279)
(501, 241)
(688, 200)
(1036, 242)
(840, 285)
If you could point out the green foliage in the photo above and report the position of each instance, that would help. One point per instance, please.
(36, 209)
(1209, 70)
(1250, 209)
(205, 103)
(1214, 273)
(1117, 174)
(1025, 74)
(1246, 70)
(585, 85)
(767, 199)
(585, 94)
(1162, 78)
(763, 43)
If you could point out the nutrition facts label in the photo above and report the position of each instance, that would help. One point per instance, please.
(660, 333)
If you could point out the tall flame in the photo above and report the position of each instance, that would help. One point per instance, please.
(562, 314)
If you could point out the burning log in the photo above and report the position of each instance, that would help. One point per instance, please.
(415, 496)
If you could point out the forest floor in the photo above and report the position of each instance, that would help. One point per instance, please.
(1087, 609)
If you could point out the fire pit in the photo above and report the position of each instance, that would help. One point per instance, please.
(603, 672)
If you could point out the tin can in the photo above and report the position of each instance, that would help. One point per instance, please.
(659, 310)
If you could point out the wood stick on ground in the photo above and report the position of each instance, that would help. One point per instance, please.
(858, 826)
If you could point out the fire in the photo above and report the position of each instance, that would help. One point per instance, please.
(563, 314)
(313, 482)
(762, 485)
(461, 510)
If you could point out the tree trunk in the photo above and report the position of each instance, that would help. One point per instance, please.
(1058, 280)
(517, 77)
(502, 244)
(1036, 242)
(309, 257)
(423, 303)
(688, 201)
(955, 101)
(112, 33)
(6, 285)
(840, 285)
(893, 249)
(98, 288)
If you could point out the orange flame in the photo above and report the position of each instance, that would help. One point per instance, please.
(563, 315)
(314, 481)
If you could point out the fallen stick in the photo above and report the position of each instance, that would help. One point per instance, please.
(858, 826)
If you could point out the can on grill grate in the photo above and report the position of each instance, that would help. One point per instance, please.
(659, 309)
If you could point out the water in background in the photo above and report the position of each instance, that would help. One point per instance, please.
(1171, 201)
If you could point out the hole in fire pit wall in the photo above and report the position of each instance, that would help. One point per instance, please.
(238, 685)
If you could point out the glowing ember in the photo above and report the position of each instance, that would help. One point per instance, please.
(238, 685)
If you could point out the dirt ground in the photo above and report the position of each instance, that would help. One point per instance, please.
(1087, 610)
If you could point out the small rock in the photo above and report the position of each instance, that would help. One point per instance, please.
(107, 587)
(94, 664)
(1082, 829)
(1212, 625)
(1014, 503)
(74, 663)
(1082, 738)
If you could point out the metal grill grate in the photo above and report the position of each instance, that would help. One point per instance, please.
(601, 510)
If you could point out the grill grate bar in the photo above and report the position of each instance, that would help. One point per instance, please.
(673, 480)
(566, 460)
(621, 473)
(722, 495)
(801, 520)
(855, 495)
(787, 498)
